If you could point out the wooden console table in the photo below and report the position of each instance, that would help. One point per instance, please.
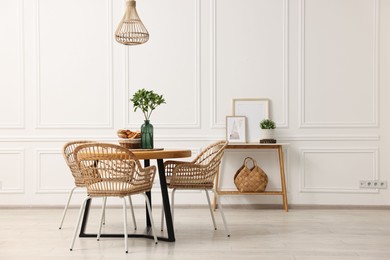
(283, 192)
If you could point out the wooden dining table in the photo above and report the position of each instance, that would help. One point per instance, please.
(146, 155)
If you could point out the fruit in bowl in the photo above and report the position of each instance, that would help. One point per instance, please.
(129, 139)
(128, 134)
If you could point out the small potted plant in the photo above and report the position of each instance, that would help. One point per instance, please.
(146, 101)
(267, 131)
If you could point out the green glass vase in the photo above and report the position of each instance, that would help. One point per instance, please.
(147, 135)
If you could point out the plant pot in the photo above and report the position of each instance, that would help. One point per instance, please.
(267, 136)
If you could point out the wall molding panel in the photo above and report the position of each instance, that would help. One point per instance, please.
(371, 156)
(16, 164)
(196, 124)
(54, 176)
(303, 88)
(108, 123)
(284, 123)
(19, 118)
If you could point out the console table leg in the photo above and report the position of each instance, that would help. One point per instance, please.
(283, 178)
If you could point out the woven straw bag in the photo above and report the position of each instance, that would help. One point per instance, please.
(250, 179)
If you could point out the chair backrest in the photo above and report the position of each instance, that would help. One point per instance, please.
(112, 170)
(212, 153)
(68, 153)
(212, 157)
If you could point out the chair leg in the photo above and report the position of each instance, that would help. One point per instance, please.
(172, 204)
(162, 218)
(150, 217)
(82, 208)
(66, 206)
(132, 213)
(125, 223)
(102, 216)
(222, 214)
(211, 210)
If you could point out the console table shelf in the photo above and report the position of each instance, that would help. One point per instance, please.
(283, 192)
(226, 192)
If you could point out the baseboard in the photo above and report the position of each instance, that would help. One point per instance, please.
(230, 206)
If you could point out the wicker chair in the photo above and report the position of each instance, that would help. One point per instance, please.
(196, 175)
(109, 170)
(68, 153)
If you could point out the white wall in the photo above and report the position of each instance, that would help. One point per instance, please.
(323, 64)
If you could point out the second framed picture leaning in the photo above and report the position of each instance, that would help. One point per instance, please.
(254, 110)
(236, 129)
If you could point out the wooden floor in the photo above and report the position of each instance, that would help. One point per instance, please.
(255, 234)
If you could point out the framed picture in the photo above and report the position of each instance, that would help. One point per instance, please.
(236, 129)
(255, 110)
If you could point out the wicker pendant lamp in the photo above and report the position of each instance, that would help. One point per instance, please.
(131, 30)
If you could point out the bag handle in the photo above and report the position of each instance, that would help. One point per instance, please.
(250, 159)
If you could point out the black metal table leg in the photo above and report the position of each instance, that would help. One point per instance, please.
(165, 200)
(85, 217)
(149, 195)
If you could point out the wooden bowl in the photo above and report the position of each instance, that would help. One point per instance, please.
(130, 143)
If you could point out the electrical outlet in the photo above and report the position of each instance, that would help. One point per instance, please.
(373, 184)
(1, 185)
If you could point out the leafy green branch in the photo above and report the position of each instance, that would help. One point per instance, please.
(146, 101)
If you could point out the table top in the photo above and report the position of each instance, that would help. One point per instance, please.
(255, 145)
(142, 154)
(160, 154)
